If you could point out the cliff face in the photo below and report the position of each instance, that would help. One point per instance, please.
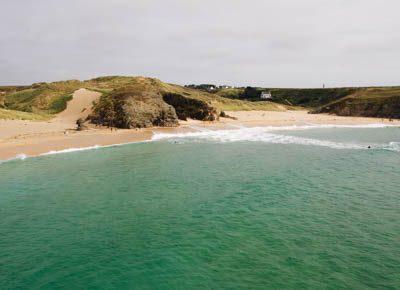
(191, 108)
(386, 108)
(372, 102)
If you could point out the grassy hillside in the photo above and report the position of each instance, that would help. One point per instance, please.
(367, 102)
(308, 98)
(47, 99)
(42, 98)
(370, 102)
(6, 90)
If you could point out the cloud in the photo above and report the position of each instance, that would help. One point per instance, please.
(259, 42)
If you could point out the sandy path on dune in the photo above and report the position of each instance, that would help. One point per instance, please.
(79, 107)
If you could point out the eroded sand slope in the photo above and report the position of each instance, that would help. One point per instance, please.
(79, 107)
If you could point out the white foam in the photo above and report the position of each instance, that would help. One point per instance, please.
(270, 135)
(21, 156)
(241, 133)
(392, 146)
(69, 150)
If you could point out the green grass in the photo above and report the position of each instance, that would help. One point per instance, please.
(43, 98)
(223, 103)
(232, 93)
(308, 98)
(59, 104)
(52, 98)
(371, 95)
(382, 102)
(19, 115)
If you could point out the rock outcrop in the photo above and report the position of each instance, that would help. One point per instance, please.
(130, 108)
(191, 108)
(146, 102)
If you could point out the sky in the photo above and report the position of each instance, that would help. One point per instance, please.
(270, 43)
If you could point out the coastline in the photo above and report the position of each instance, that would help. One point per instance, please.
(34, 138)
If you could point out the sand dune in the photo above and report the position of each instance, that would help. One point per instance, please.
(79, 107)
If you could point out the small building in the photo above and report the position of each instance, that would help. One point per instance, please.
(266, 95)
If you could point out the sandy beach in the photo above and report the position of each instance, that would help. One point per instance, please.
(32, 138)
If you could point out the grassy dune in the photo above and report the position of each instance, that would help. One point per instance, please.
(19, 115)
(52, 98)
(43, 98)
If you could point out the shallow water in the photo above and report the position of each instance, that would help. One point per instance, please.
(251, 208)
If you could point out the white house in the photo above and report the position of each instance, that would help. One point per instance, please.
(266, 95)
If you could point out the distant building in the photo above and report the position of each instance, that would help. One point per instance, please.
(266, 95)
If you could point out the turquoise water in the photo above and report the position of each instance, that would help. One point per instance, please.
(246, 209)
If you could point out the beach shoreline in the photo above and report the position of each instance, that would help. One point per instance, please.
(34, 138)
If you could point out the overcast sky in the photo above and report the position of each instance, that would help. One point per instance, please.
(275, 43)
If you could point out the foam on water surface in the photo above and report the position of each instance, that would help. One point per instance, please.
(271, 135)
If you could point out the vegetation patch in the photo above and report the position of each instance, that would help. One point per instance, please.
(6, 114)
(367, 102)
(59, 104)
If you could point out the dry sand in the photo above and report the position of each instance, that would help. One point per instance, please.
(33, 138)
(298, 118)
(79, 107)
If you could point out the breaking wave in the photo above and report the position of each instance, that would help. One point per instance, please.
(69, 150)
(250, 134)
(23, 156)
(271, 135)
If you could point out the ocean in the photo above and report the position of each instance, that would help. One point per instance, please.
(308, 207)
